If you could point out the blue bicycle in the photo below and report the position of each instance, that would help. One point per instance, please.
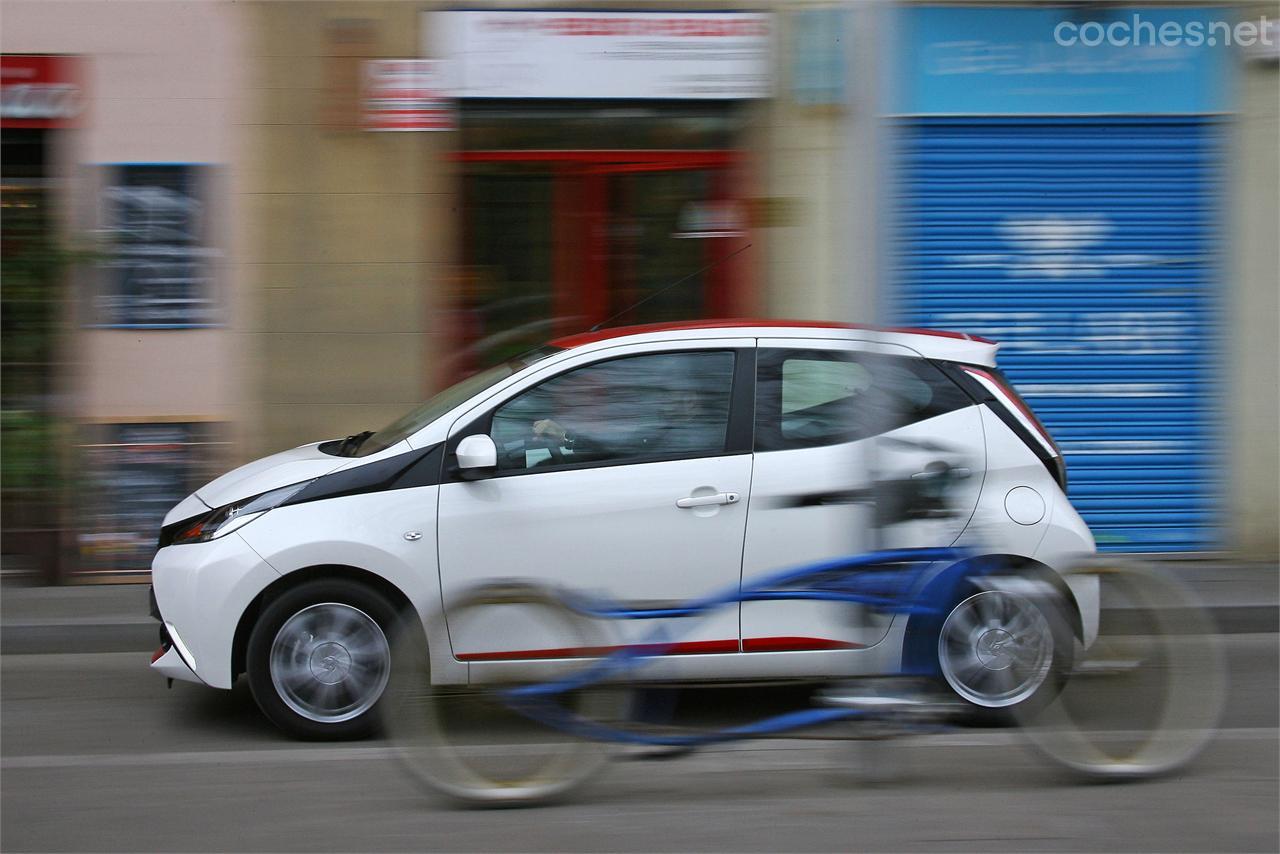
(1140, 700)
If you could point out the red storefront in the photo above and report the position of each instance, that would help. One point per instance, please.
(38, 92)
(601, 159)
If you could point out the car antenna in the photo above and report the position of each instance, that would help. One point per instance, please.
(680, 281)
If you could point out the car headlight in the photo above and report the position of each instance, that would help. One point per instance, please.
(227, 518)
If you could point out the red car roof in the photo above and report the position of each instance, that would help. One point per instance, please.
(582, 338)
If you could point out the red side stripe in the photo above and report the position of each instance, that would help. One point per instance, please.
(686, 648)
(795, 644)
(781, 644)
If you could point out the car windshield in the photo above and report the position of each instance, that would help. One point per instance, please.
(443, 401)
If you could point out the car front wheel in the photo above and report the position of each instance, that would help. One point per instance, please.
(319, 659)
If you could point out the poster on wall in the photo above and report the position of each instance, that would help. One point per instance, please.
(571, 54)
(136, 473)
(405, 95)
(161, 255)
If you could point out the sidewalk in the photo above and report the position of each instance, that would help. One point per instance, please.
(78, 618)
(1243, 597)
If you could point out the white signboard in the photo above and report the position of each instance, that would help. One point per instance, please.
(567, 54)
(405, 95)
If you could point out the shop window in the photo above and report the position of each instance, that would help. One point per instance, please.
(162, 259)
(515, 126)
(575, 215)
(135, 474)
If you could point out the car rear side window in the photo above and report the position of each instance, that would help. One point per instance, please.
(811, 398)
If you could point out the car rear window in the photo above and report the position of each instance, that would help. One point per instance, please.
(810, 398)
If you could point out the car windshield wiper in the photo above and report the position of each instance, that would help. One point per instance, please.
(352, 443)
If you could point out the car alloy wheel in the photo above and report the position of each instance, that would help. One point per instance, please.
(319, 658)
(996, 649)
(330, 662)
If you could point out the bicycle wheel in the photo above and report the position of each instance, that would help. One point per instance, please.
(1146, 695)
(464, 742)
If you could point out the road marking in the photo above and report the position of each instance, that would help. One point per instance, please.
(285, 756)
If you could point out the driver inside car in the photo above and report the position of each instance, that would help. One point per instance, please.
(683, 425)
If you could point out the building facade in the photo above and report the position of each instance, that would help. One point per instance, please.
(557, 190)
(121, 126)
(288, 221)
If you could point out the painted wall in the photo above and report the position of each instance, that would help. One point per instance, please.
(1254, 310)
(351, 230)
(163, 85)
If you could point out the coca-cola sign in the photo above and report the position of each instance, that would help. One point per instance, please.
(40, 91)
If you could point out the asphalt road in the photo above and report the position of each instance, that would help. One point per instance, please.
(96, 755)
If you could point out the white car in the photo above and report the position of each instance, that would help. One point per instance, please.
(644, 464)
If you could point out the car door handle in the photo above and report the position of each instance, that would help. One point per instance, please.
(704, 500)
(957, 472)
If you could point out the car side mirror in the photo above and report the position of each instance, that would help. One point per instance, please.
(477, 456)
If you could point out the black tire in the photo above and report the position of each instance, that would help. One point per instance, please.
(1148, 692)
(319, 659)
(1005, 648)
(465, 743)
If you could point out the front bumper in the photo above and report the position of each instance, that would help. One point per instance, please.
(171, 658)
(200, 591)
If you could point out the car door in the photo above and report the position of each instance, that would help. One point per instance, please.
(839, 427)
(624, 476)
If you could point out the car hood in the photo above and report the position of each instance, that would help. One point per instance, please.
(292, 466)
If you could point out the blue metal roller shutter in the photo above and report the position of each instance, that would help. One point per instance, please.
(1087, 247)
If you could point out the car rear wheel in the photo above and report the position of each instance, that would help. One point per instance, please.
(1000, 650)
(319, 659)
(1148, 692)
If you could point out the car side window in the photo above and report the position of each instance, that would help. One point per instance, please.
(630, 409)
(811, 398)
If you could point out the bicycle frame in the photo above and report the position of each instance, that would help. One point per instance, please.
(921, 583)
(889, 580)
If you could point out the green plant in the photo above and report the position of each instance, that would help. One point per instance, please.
(34, 265)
